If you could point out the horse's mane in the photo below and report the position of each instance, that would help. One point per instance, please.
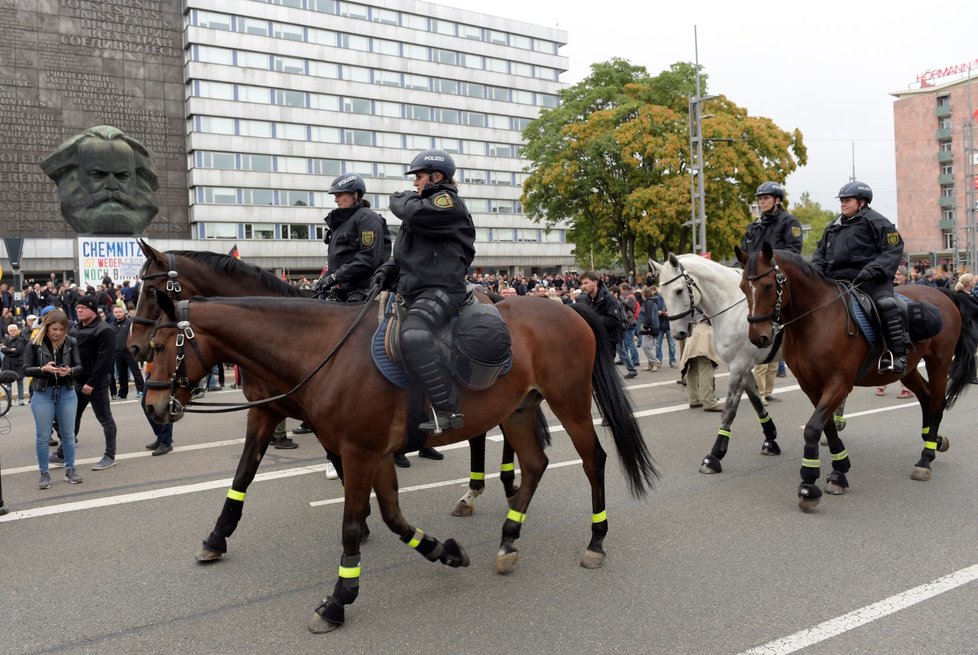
(231, 266)
(795, 260)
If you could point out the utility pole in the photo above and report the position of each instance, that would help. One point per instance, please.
(697, 196)
(971, 182)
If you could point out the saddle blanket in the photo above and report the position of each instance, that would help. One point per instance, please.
(923, 321)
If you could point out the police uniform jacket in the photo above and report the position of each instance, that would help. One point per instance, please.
(96, 347)
(867, 241)
(436, 243)
(778, 228)
(359, 242)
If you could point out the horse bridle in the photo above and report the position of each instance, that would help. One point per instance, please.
(173, 287)
(779, 281)
(690, 285)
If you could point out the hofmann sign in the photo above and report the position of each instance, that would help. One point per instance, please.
(119, 258)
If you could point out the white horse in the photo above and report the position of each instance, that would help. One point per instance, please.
(690, 281)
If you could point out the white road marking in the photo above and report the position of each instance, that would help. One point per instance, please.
(863, 615)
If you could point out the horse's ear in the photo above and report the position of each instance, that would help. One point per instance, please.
(165, 303)
(654, 266)
(767, 250)
(741, 255)
(149, 251)
(673, 260)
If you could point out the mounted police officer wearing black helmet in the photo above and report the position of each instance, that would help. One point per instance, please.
(358, 241)
(432, 254)
(775, 225)
(864, 247)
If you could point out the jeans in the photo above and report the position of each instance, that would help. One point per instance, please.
(54, 403)
(99, 399)
(627, 352)
(125, 364)
(665, 334)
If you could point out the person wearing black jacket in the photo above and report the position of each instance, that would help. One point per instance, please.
(864, 247)
(96, 346)
(358, 239)
(602, 301)
(432, 254)
(13, 348)
(125, 362)
(775, 225)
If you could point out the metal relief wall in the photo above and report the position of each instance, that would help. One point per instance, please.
(66, 65)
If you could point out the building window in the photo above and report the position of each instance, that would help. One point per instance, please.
(220, 230)
(261, 129)
(252, 26)
(323, 6)
(944, 123)
(944, 146)
(390, 170)
(218, 90)
(418, 82)
(355, 42)
(213, 21)
(215, 195)
(448, 145)
(298, 165)
(473, 89)
(944, 101)
(548, 47)
(948, 215)
(497, 65)
(502, 150)
(289, 65)
(523, 42)
(476, 62)
(447, 116)
(386, 16)
(477, 205)
(259, 231)
(211, 55)
(353, 10)
(291, 131)
(947, 168)
(322, 37)
(948, 240)
(224, 160)
(388, 140)
(295, 231)
(389, 109)
(446, 86)
(440, 56)
(329, 167)
(498, 37)
(248, 59)
(259, 94)
(470, 32)
(553, 236)
(257, 197)
(528, 235)
(287, 31)
(387, 78)
(215, 125)
(356, 105)
(417, 112)
(414, 21)
(363, 168)
(358, 137)
(947, 190)
(290, 98)
(474, 119)
(384, 47)
(261, 163)
(547, 100)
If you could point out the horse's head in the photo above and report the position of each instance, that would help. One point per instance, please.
(156, 276)
(680, 293)
(766, 288)
(178, 363)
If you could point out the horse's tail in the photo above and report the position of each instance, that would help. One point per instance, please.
(963, 365)
(616, 408)
(543, 431)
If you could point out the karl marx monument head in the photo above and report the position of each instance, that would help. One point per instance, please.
(105, 182)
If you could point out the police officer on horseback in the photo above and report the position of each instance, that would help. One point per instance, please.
(432, 254)
(358, 241)
(864, 247)
(776, 225)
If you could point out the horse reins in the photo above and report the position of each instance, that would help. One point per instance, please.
(187, 334)
(780, 279)
(690, 284)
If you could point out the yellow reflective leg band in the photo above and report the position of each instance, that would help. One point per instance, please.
(349, 571)
(810, 463)
(506, 468)
(599, 517)
(767, 417)
(236, 495)
(837, 456)
(477, 476)
(723, 433)
(925, 430)
(513, 515)
(839, 418)
(930, 444)
(416, 539)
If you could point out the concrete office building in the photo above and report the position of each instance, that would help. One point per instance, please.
(936, 163)
(256, 106)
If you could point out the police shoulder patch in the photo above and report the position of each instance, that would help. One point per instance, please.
(367, 238)
(443, 200)
(893, 238)
(796, 230)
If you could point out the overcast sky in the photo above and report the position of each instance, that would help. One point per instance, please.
(827, 67)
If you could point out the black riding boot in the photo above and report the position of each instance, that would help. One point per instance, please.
(897, 340)
(436, 378)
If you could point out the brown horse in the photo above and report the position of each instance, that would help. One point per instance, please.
(181, 275)
(829, 356)
(240, 331)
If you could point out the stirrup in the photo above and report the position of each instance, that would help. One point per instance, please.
(890, 363)
(441, 421)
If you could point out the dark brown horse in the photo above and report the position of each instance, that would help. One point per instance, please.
(240, 331)
(181, 275)
(828, 355)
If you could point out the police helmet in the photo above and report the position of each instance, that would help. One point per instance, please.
(430, 161)
(856, 189)
(770, 189)
(350, 183)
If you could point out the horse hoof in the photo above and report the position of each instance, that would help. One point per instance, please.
(592, 559)
(840, 424)
(506, 562)
(807, 505)
(319, 626)
(770, 448)
(823, 441)
(834, 489)
(710, 465)
(920, 474)
(943, 443)
(206, 555)
(462, 509)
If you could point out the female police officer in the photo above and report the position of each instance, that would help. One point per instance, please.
(864, 247)
(358, 241)
(432, 254)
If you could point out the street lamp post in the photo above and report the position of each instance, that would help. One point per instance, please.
(697, 196)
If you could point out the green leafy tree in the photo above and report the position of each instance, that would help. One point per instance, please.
(812, 218)
(612, 160)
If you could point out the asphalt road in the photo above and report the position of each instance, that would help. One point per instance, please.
(706, 564)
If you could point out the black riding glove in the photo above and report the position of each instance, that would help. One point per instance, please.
(379, 279)
(326, 282)
(863, 277)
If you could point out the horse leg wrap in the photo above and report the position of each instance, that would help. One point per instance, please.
(477, 482)
(720, 445)
(838, 478)
(599, 530)
(840, 459)
(344, 593)
(227, 522)
(507, 475)
(431, 548)
(332, 610)
(712, 463)
(810, 466)
(769, 428)
(809, 491)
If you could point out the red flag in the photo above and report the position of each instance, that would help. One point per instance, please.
(234, 252)
(284, 277)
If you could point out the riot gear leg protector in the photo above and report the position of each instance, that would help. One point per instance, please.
(895, 332)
